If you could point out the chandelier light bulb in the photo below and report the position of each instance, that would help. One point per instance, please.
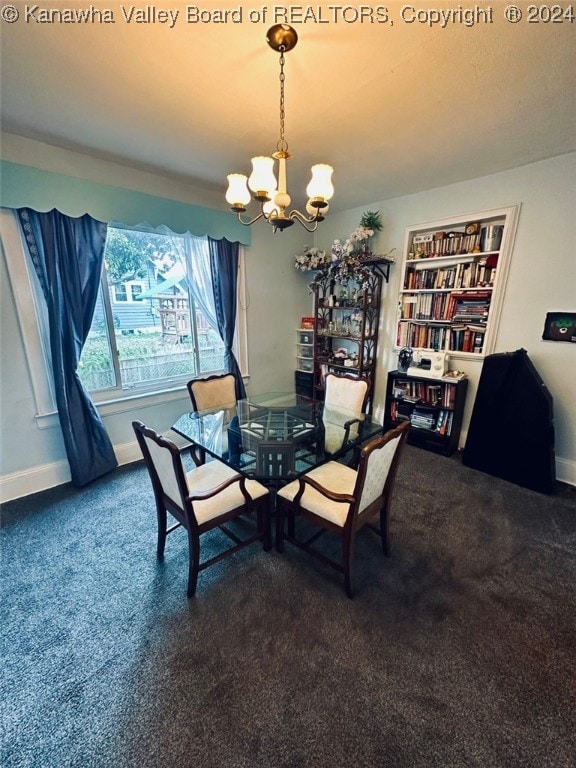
(262, 180)
(320, 188)
(237, 194)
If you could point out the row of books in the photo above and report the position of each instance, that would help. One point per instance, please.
(467, 338)
(459, 338)
(426, 306)
(471, 306)
(434, 421)
(456, 243)
(469, 274)
(427, 392)
(445, 306)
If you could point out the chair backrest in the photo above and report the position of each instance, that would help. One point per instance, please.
(340, 425)
(213, 393)
(164, 464)
(346, 392)
(378, 465)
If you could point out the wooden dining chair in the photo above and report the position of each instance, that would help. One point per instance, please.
(200, 500)
(344, 395)
(213, 393)
(216, 392)
(340, 499)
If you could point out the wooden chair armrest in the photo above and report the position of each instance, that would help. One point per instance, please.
(219, 488)
(339, 497)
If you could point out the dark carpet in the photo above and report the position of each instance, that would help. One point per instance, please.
(457, 651)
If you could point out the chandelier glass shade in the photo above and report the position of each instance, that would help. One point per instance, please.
(263, 186)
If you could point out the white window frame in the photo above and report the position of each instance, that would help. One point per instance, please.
(29, 313)
(120, 288)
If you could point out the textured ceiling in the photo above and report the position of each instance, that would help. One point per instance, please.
(395, 108)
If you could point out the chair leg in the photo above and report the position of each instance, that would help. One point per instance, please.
(194, 562)
(162, 527)
(263, 522)
(347, 557)
(291, 523)
(279, 526)
(385, 529)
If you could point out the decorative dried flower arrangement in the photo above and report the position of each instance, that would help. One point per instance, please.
(352, 259)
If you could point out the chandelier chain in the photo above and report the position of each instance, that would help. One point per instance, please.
(282, 145)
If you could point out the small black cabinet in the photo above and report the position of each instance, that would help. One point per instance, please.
(434, 408)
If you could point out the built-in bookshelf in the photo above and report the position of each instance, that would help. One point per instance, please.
(454, 274)
(434, 408)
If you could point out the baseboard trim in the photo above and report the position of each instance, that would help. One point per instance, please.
(33, 480)
(45, 476)
(566, 471)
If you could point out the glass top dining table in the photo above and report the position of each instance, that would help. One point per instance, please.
(276, 436)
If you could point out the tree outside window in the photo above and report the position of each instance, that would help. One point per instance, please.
(147, 332)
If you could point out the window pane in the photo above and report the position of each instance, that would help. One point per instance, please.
(96, 368)
(120, 293)
(160, 336)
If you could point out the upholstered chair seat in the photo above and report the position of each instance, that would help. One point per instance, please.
(334, 476)
(204, 478)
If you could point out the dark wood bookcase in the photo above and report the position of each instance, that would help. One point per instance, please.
(346, 320)
(434, 407)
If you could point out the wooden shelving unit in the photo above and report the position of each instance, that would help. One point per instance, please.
(346, 319)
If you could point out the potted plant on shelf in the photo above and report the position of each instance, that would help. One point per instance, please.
(351, 259)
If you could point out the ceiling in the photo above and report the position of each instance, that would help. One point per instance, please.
(395, 108)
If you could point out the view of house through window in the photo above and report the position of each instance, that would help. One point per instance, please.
(147, 331)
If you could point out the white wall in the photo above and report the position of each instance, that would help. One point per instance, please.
(542, 275)
(542, 278)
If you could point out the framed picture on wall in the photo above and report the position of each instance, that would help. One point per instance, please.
(560, 326)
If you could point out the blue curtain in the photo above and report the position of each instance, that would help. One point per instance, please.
(67, 255)
(224, 265)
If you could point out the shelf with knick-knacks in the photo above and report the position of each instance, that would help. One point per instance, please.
(346, 329)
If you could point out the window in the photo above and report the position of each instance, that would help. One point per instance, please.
(119, 293)
(149, 328)
(33, 323)
(128, 291)
(135, 290)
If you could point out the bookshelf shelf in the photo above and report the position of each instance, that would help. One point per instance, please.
(434, 408)
(452, 284)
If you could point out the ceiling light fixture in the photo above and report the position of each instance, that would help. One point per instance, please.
(271, 193)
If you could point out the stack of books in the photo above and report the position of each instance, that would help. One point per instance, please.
(423, 419)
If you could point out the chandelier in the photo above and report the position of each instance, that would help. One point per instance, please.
(270, 192)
